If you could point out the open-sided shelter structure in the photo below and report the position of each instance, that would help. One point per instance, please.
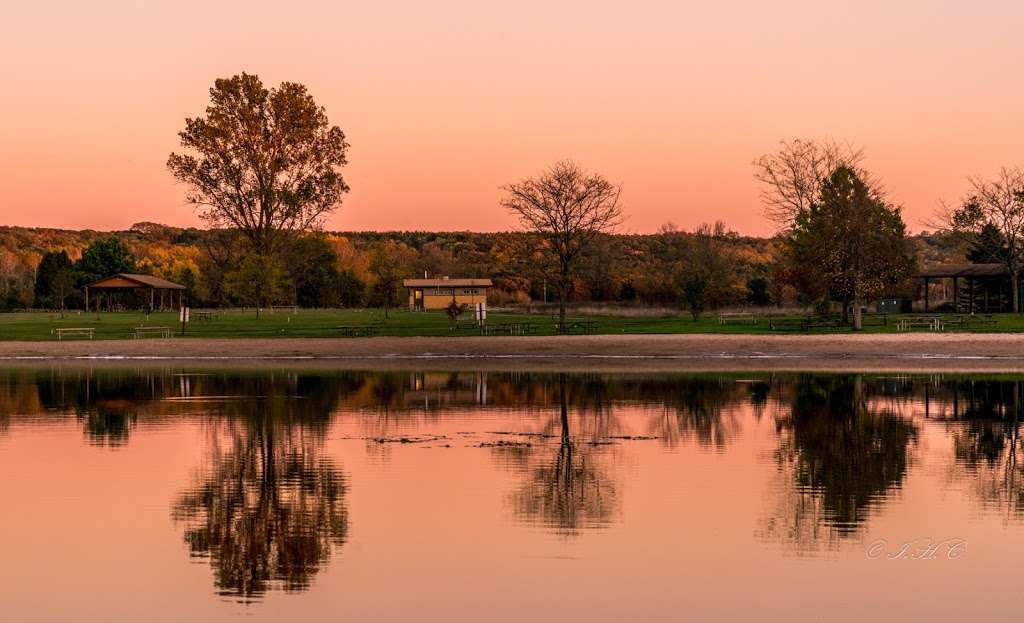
(133, 282)
(976, 287)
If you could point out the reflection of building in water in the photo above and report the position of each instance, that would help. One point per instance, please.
(434, 390)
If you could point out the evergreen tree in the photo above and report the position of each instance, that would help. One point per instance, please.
(54, 280)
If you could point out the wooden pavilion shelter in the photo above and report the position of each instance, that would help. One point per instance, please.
(129, 281)
(976, 287)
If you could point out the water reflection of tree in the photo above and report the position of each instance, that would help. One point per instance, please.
(986, 439)
(701, 409)
(267, 508)
(838, 459)
(107, 402)
(566, 492)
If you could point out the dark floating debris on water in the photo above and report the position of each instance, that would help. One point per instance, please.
(426, 439)
(634, 437)
(506, 432)
(501, 443)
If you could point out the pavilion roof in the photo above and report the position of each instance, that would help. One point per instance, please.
(132, 280)
(940, 271)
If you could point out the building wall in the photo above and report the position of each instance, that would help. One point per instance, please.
(441, 298)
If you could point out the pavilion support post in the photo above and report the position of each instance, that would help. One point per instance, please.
(87, 299)
(152, 298)
(926, 294)
(956, 294)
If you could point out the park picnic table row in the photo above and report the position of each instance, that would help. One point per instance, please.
(90, 332)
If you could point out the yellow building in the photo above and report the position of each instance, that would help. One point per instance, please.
(439, 293)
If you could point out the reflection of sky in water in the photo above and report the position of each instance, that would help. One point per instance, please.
(396, 493)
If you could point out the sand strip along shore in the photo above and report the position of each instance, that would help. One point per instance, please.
(692, 352)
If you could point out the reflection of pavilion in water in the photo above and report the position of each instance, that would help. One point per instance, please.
(430, 391)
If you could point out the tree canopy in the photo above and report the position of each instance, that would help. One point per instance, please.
(263, 161)
(103, 258)
(992, 217)
(850, 246)
(568, 208)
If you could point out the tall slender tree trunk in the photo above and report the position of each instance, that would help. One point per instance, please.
(1015, 290)
(858, 321)
(561, 307)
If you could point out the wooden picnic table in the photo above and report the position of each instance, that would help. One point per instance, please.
(204, 314)
(463, 324)
(744, 317)
(62, 332)
(356, 331)
(142, 332)
(965, 321)
(509, 328)
(932, 323)
(583, 326)
(804, 323)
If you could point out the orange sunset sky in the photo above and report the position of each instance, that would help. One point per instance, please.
(443, 102)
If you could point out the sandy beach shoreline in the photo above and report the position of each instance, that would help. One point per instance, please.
(692, 352)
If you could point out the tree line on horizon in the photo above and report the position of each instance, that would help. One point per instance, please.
(263, 166)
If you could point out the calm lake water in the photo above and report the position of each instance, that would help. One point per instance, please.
(177, 494)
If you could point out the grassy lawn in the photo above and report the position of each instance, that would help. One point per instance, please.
(324, 323)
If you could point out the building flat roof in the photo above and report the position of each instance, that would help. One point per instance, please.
(447, 283)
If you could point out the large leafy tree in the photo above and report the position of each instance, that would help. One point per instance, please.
(103, 258)
(792, 176)
(263, 161)
(992, 216)
(54, 280)
(850, 245)
(568, 208)
(389, 264)
(313, 268)
(259, 281)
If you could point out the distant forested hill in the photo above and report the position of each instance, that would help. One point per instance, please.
(628, 268)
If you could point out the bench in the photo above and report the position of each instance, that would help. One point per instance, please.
(356, 331)
(143, 332)
(737, 317)
(63, 332)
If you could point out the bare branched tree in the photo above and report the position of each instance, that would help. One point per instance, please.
(264, 161)
(793, 175)
(567, 207)
(996, 205)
